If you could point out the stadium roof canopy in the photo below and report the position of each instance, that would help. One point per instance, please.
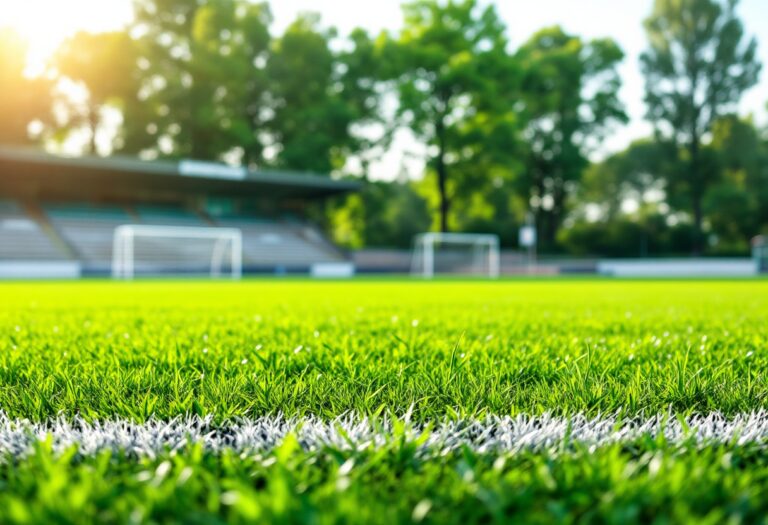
(25, 171)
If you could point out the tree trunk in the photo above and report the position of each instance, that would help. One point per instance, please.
(558, 208)
(698, 219)
(696, 179)
(697, 197)
(93, 124)
(442, 174)
(537, 184)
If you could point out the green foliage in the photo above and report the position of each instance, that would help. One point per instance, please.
(201, 79)
(456, 84)
(207, 80)
(736, 205)
(103, 63)
(633, 174)
(383, 214)
(644, 482)
(623, 236)
(572, 101)
(317, 96)
(697, 68)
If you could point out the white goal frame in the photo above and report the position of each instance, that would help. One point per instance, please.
(124, 241)
(423, 258)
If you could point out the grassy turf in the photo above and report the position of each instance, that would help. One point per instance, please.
(103, 350)
(443, 349)
(623, 485)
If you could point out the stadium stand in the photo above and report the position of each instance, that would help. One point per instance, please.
(268, 244)
(77, 203)
(168, 216)
(88, 229)
(22, 238)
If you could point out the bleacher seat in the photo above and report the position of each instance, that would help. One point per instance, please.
(271, 243)
(89, 229)
(168, 216)
(22, 239)
(267, 244)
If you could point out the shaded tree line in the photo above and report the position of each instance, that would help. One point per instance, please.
(506, 132)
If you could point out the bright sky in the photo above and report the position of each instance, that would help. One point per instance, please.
(47, 22)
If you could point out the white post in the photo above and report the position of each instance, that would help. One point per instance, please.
(495, 255)
(129, 245)
(117, 256)
(217, 256)
(237, 256)
(429, 256)
(417, 259)
(122, 250)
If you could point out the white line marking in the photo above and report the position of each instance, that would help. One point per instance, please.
(493, 434)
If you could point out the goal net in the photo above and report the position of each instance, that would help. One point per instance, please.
(455, 254)
(144, 250)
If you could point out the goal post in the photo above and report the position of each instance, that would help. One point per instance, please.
(760, 253)
(177, 248)
(456, 253)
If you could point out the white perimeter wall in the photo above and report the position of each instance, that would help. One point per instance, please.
(678, 268)
(340, 270)
(610, 267)
(40, 270)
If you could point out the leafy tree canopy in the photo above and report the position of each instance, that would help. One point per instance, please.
(571, 92)
(456, 85)
(698, 65)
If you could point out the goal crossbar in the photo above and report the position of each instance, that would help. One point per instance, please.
(124, 243)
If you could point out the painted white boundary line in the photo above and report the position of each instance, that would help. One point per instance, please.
(493, 434)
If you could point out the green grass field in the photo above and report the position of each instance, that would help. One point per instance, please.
(406, 358)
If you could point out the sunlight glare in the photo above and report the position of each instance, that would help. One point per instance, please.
(46, 23)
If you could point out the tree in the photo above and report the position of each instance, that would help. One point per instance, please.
(629, 191)
(735, 204)
(626, 236)
(105, 64)
(635, 174)
(202, 79)
(572, 101)
(362, 78)
(697, 67)
(383, 214)
(310, 116)
(318, 96)
(456, 85)
(22, 99)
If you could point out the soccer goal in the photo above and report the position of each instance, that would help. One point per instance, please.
(146, 250)
(455, 254)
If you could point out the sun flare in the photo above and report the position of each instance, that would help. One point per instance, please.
(45, 23)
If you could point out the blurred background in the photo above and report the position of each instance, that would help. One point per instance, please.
(333, 132)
